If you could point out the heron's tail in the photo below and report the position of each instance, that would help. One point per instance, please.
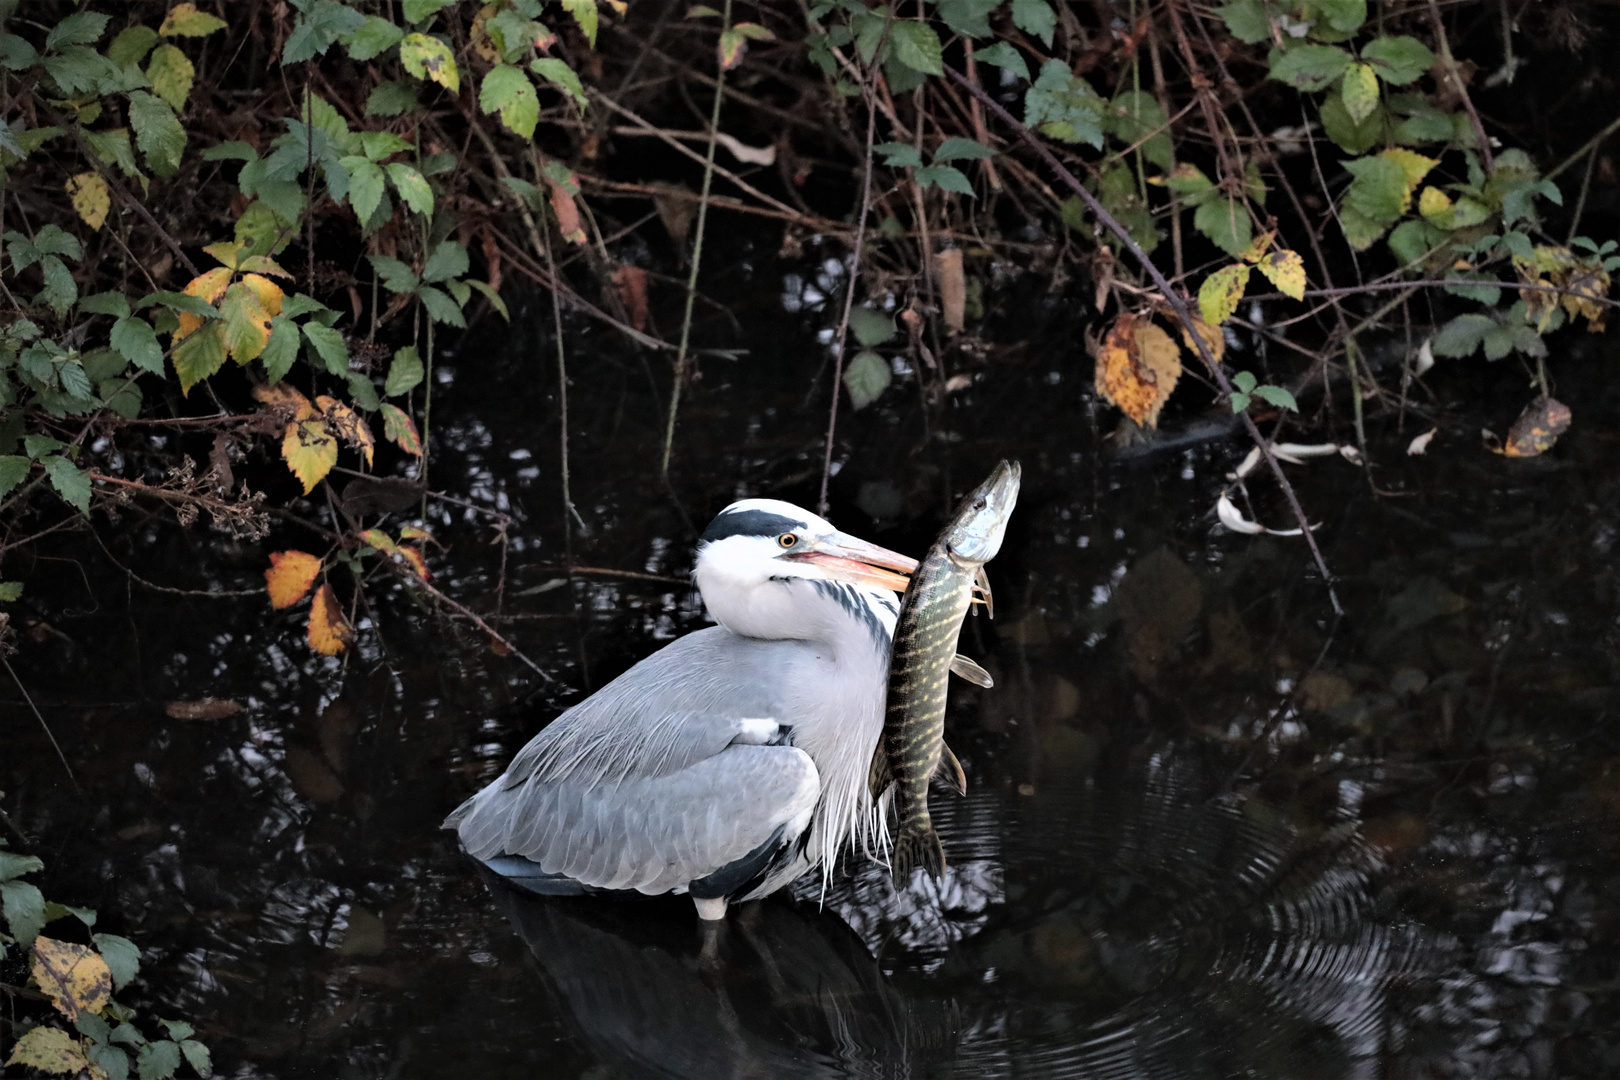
(917, 844)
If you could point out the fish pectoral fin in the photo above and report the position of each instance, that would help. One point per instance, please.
(878, 775)
(981, 586)
(949, 771)
(973, 673)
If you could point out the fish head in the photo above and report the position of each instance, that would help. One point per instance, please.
(974, 538)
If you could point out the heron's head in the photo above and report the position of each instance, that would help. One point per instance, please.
(756, 551)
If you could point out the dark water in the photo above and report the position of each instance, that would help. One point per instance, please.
(1212, 830)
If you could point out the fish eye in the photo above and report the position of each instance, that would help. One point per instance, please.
(787, 540)
(980, 505)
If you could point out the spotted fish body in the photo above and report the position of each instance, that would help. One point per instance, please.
(925, 637)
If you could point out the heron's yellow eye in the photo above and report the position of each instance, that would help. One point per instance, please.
(787, 540)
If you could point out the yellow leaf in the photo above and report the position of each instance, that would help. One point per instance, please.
(1286, 270)
(429, 58)
(348, 424)
(1212, 337)
(184, 20)
(171, 75)
(1257, 249)
(309, 449)
(379, 540)
(268, 292)
(225, 252)
(1414, 166)
(74, 977)
(329, 632)
(290, 576)
(209, 286)
(1537, 428)
(90, 196)
(478, 35)
(1435, 204)
(1220, 293)
(50, 1050)
(244, 321)
(414, 558)
(1137, 368)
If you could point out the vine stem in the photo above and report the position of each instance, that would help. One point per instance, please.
(697, 255)
(1177, 304)
(1462, 90)
(849, 298)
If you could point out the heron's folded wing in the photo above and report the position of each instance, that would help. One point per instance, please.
(651, 833)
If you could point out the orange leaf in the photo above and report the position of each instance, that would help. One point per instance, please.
(290, 575)
(562, 204)
(414, 557)
(632, 285)
(1137, 368)
(209, 286)
(329, 632)
(401, 430)
(348, 424)
(1537, 428)
(281, 396)
(733, 45)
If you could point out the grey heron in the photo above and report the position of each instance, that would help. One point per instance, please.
(730, 761)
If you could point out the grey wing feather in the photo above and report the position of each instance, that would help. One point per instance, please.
(655, 780)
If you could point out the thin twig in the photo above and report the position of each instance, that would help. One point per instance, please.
(48, 733)
(1461, 89)
(681, 357)
(1177, 304)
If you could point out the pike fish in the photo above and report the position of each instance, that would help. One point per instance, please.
(920, 664)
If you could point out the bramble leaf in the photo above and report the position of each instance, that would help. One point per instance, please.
(1219, 295)
(74, 977)
(329, 632)
(427, 57)
(172, 75)
(866, 377)
(507, 90)
(290, 577)
(49, 1050)
(91, 198)
(400, 429)
(159, 135)
(184, 20)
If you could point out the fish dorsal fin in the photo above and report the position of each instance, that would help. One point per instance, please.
(973, 673)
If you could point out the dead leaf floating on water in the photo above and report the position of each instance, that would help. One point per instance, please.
(1137, 368)
(203, 709)
(1537, 428)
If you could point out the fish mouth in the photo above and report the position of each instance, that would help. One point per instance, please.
(854, 561)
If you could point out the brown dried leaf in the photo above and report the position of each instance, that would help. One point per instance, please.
(204, 708)
(631, 282)
(1537, 428)
(329, 632)
(74, 977)
(348, 424)
(568, 220)
(1137, 368)
(952, 287)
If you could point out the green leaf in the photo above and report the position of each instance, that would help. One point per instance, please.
(509, 91)
(1035, 17)
(281, 350)
(870, 327)
(376, 37)
(158, 1060)
(113, 148)
(405, 373)
(427, 57)
(1226, 223)
(1346, 133)
(1379, 191)
(53, 240)
(916, 46)
(1309, 67)
(1246, 20)
(866, 377)
(417, 10)
(1277, 396)
(412, 187)
(115, 304)
(561, 76)
(321, 25)
(1003, 55)
(159, 135)
(13, 865)
(13, 468)
(37, 446)
(584, 13)
(1135, 116)
(16, 54)
(1244, 381)
(200, 355)
(899, 155)
(1345, 16)
(80, 28)
(131, 45)
(70, 482)
(1064, 106)
(1398, 60)
(60, 289)
(196, 1055)
(1462, 336)
(956, 149)
(75, 381)
(171, 74)
(10, 591)
(24, 907)
(366, 186)
(121, 396)
(394, 274)
(440, 307)
(181, 22)
(1360, 92)
(449, 260)
(967, 17)
(948, 177)
(329, 345)
(391, 99)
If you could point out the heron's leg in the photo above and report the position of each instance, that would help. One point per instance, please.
(711, 910)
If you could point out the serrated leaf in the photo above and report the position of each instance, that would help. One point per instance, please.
(13, 468)
(562, 77)
(197, 1056)
(391, 99)
(204, 289)
(244, 320)
(1246, 20)
(80, 28)
(290, 577)
(427, 57)
(968, 17)
(309, 448)
(899, 155)
(400, 429)
(157, 1060)
(440, 307)
(1309, 67)
(1346, 133)
(113, 147)
(199, 356)
(158, 134)
(60, 290)
(917, 46)
(1398, 60)
(373, 39)
(328, 344)
(1278, 396)
(1286, 270)
(957, 149)
(1462, 335)
(50, 1050)
(1344, 16)
(870, 327)
(184, 20)
(1004, 56)
(948, 177)
(172, 75)
(413, 188)
(584, 13)
(91, 197)
(866, 377)
(1226, 223)
(367, 183)
(507, 89)
(135, 339)
(74, 977)
(131, 45)
(1221, 292)
(1035, 17)
(329, 632)
(1063, 106)
(24, 907)
(1360, 91)
(405, 373)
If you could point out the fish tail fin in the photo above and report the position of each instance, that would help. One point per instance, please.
(917, 845)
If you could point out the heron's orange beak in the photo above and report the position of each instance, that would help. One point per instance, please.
(852, 560)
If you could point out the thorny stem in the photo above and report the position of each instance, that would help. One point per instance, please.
(1462, 90)
(1177, 304)
(697, 256)
(849, 297)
